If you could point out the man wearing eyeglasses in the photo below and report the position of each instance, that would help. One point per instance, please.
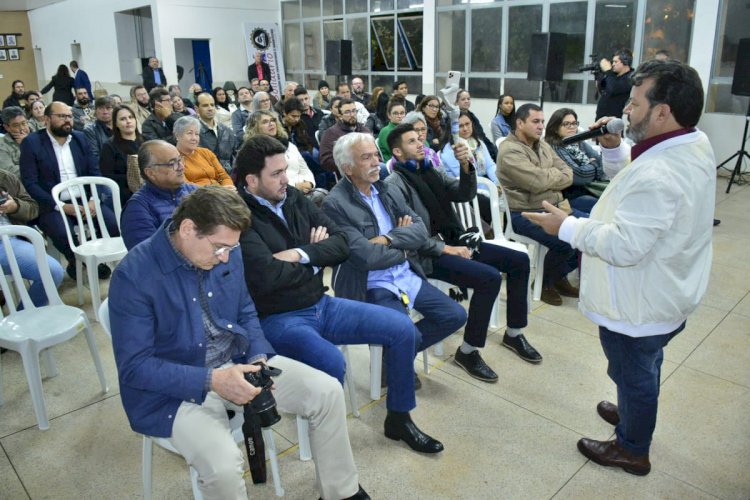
(162, 168)
(160, 122)
(185, 332)
(346, 124)
(54, 155)
(16, 130)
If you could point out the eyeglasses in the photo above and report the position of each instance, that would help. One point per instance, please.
(166, 99)
(62, 116)
(398, 113)
(349, 112)
(263, 101)
(570, 124)
(433, 106)
(219, 250)
(174, 163)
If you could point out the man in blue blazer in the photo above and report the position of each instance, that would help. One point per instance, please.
(80, 78)
(53, 155)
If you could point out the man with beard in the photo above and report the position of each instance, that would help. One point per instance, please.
(346, 124)
(240, 115)
(358, 91)
(646, 249)
(17, 96)
(214, 135)
(139, 104)
(83, 110)
(54, 155)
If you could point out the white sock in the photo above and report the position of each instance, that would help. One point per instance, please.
(513, 332)
(468, 348)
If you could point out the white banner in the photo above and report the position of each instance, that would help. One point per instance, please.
(266, 39)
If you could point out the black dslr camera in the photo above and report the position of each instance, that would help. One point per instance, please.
(592, 67)
(263, 406)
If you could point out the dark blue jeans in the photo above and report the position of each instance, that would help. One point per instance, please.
(483, 274)
(441, 315)
(561, 257)
(635, 367)
(311, 335)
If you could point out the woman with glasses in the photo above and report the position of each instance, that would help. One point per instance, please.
(125, 141)
(505, 117)
(202, 167)
(580, 156)
(437, 122)
(396, 113)
(262, 102)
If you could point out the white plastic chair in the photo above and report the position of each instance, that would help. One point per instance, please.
(537, 251)
(499, 141)
(34, 330)
(89, 248)
(235, 423)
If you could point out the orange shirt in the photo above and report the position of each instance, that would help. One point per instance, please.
(203, 168)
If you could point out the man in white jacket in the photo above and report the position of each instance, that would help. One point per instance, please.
(647, 249)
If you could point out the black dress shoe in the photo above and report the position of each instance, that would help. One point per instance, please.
(475, 366)
(717, 222)
(521, 346)
(361, 494)
(550, 296)
(564, 288)
(104, 271)
(71, 270)
(611, 454)
(608, 411)
(399, 427)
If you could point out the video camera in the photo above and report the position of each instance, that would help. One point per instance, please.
(592, 67)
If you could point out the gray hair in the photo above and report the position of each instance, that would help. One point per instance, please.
(342, 150)
(184, 123)
(413, 117)
(11, 112)
(146, 156)
(257, 97)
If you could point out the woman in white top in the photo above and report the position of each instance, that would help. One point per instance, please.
(224, 108)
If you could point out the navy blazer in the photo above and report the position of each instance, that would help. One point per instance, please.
(40, 171)
(148, 78)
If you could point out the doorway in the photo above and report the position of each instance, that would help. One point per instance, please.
(194, 56)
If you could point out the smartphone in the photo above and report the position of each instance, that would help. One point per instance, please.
(3, 196)
(454, 78)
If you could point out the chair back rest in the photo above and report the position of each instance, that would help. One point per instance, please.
(509, 233)
(78, 192)
(11, 281)
(497, 205)
(104, 317)
(468, 214)
(499, 141)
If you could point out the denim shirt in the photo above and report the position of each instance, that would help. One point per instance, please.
(157, 329)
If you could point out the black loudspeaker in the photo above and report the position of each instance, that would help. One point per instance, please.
(547, 57)
(338, 57)
(741, 81)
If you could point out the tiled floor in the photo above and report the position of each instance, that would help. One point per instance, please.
(514, 439)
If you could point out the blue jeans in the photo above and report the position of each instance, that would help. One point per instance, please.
(311, 335)
(561, 257)
(635, 367)
(441, 315)
(483, 274)
(26, 259)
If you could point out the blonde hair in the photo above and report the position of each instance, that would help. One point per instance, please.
(252, 127)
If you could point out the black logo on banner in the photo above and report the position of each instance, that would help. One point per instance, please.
(260, 39)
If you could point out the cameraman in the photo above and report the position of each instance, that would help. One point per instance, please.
(185, 331)
(615, 85)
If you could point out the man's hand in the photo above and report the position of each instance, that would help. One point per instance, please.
(92, 209)
(230, 383)
(404, 221)
(318, 234)
(605, 65)
(608, 141)
(19, 136)
(10, 206)
(304, 186)
(70, 210)
(290, 255)
(462, 154)
(380, 240)
(551, 221)
(458, 251)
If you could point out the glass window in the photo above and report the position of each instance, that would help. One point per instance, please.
(381, 5)
(565, 91)
(486, 38)
(668, 26)
(292, 46)
(333, 30)
(385, 81)
(451, 41)
(382, 43)
(522, 89)
(522, 22)
(570, 18)
(356, 31)
(488, 88)
(290, 9)
(614, 26)
(732, 27)
(414, 82)
(410, 42)
(310, 8)
(333, 7)
(355, 6)
(312, 45)
(410, 4)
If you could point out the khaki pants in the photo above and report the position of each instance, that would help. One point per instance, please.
(202, 435)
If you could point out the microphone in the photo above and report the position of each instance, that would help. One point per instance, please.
(612, 127)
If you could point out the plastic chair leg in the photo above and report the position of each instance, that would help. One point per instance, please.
(349, 382)
(30, 360)
(92, 272)
(438, 349)
(376, 370)
(303, 436)
(48, 361)
(79, 280)
(146, 466)
(541, 253)
(94, 352)
(271, 450)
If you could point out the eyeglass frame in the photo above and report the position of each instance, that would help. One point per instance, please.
(218, 252)
(570, 124)
(173, 163)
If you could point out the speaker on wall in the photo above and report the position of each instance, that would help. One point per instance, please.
(338, 57)
(547, 56)
(741, 81)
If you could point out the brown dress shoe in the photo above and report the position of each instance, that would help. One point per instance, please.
(564, 287)
(550, 296)
(611, 454)
(608, 411)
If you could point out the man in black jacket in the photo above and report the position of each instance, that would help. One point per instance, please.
(615, 84)
(153, 75)
(159, 123)
(285, 250)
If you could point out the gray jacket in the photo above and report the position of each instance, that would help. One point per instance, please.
(222, 144)
(459, 190)
(10, 155)
(345, 207)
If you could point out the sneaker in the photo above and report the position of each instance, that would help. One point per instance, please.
(521, 346)
(475, 366)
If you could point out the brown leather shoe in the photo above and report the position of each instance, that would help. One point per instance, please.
(611, 454)
(564, 287)
(608, 411)
(550, 296)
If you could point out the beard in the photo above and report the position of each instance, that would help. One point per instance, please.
(61, 131)
(637, 131)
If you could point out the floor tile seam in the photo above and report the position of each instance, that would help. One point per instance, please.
(568, 326)
(680, 363)
(684, 481)
(15, 471)
(570, 478)
(687, 367)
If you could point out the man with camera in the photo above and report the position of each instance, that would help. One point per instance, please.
(614, 87)
(451, 255)
(185, 333)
